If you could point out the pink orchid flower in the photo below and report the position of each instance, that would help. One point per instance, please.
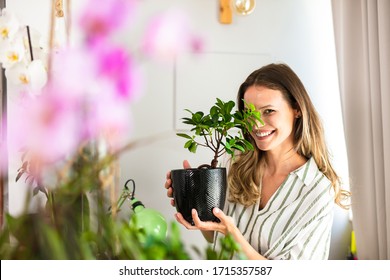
(116, 65)
(170, 34)
(100, 18)
(48, 126)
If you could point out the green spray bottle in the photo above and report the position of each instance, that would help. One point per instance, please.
(148, 221)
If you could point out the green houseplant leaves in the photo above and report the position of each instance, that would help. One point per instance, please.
(216, 129)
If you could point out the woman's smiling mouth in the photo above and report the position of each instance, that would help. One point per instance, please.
(264, 133)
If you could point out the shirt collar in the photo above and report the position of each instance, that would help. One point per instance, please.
(307, 172)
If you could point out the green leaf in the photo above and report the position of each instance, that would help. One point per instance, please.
(238, 147)
(53, 242)
(189, 111)
(229, 107)
(197, 117)
(188, 143)
(188, 121)
(227, 118)
(248, 145)
(219, 103)
(184, 135)
(193, 147)
(214, 111)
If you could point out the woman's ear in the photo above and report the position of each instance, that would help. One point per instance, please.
(297, 113)
(297, 110)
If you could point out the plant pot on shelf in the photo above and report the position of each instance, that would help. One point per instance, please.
(199, 188)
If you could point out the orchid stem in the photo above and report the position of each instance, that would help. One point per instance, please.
(29, 43)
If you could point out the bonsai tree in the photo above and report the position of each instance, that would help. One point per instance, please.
(221, 130)
(216, 129)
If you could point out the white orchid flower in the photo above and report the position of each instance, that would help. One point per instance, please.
(12, 52)
(37, 42)
(32, 75)
(9, 25)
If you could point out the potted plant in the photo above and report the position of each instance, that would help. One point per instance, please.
(221, 130)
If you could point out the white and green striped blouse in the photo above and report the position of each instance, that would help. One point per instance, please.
(296, 222)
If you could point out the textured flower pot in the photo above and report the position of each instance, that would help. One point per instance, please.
(200, 189)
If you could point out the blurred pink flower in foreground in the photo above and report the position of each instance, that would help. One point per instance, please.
(108, 119)
(116, 66)
(53, 125)
(101, 18)
(74, 70)
(84, 71)
(48, 126)
(87, 98)
(169, 34)
(88, 95)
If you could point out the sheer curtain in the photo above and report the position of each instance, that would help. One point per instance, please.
(362, 30)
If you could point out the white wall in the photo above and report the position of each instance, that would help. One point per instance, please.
(299, 33)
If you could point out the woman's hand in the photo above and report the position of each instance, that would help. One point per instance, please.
(225, 225)
(168, 182)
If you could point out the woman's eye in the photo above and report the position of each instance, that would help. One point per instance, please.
(268, 111)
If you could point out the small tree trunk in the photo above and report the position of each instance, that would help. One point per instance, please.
(214, 163)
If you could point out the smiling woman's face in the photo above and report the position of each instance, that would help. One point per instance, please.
(277, 132)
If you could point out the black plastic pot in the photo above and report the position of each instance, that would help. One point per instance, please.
(200, 189)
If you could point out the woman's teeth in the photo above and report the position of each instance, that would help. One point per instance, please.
(263, 134)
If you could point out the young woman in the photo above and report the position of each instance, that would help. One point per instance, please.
(281, 196)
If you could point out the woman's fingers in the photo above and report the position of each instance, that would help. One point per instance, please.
(198, 224)
(222, 226)
(170, 192)
(181, 220)
(168, 181)
(168, 186)
(186, 164)
(219, 214)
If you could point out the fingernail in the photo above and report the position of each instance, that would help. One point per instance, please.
(216, 210)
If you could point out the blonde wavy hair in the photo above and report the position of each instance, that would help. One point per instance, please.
(246, 169)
